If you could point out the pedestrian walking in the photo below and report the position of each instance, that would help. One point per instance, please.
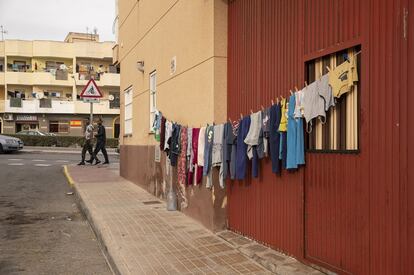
(100, 143)
(87, 145)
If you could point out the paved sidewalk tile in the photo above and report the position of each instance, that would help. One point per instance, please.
(142, 237)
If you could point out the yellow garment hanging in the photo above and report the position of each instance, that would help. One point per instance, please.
(343, 77)
(283, 119)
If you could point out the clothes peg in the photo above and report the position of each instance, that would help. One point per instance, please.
(306, 83)
(291, 93)
(251, 111)
(229, 119)
(277, 100)
(241, 115)
(273, 103)
(296, 88)
(329, 69)
(262, 108)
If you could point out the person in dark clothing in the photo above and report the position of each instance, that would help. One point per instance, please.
(87, 146)
(100, 143)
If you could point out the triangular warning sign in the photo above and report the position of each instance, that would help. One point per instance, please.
(91, 90)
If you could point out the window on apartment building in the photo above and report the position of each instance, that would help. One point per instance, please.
(128, 115)
(340, 131)
(153, 98)
(59, 126)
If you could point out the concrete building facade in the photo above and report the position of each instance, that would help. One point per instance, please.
(173, 58)
(40, 84)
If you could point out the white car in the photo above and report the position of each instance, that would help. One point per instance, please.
(10, 144)
(34, 133)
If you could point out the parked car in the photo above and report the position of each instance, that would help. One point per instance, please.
(34, 133)
(10, 144)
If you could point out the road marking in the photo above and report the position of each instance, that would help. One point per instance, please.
(14, 159)
(43, 165)
(38, 160)
(62, 161)
(15, 164)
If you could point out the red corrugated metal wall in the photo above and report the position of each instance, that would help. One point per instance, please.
(357, 208)
(408, 158)
(270, 209)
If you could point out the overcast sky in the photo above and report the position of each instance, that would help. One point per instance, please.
(53, 19)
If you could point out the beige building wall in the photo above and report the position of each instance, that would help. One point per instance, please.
(193, 31)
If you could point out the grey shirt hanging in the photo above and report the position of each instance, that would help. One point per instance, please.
(325, 91)
(313, 104)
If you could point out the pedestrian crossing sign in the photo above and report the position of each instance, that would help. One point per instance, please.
(91, 90)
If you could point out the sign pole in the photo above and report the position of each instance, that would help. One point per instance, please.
(91, 114)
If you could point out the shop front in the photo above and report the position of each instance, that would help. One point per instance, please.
(26, 122)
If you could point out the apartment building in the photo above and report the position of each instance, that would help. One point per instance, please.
(173, 58)
(40, 84)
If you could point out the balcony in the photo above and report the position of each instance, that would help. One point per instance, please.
(60, 78)
(50, 106)
(45, 103)
(93, 50)
(19, 78)
(52, 49)
(101, 108)
(37, 78)
(18, 48)
(104, 79)
(33, 106)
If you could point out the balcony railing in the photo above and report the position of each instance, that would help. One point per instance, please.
(88, 76)
(114, 104)
(18, 68)
(61, 75)
(32, 106)
(45, 103)
(15, 102)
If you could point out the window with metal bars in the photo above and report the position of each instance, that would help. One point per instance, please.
(339, 133)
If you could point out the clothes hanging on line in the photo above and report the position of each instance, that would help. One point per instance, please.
(226, 153)
(208, 152)
(194, 168)
(241, 154)
(232, 139)
(295, 139)
(182, 157)
(274, 136)
(175, 144)
(325, 91)
(313, 104)
(168, 133)
(283, 118)
(217, 145)
(201, 146)
(253, 134)
(343, 77)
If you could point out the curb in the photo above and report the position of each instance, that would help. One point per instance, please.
(67, 175)
(29, 151)
(86, 213)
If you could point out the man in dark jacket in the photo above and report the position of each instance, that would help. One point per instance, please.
(100, 143)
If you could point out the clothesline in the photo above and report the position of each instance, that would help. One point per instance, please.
(296, 88)
(276, 132)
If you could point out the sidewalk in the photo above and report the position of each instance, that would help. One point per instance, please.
(66, 150)
(140, 236)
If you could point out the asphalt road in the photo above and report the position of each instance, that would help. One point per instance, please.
(41, 228)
